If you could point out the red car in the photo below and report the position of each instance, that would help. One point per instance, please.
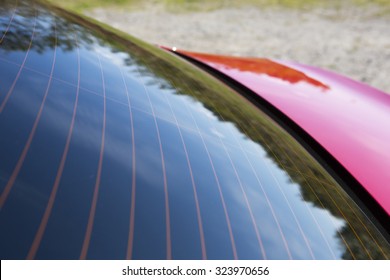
(111, 148)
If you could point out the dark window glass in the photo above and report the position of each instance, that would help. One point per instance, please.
(112, 149)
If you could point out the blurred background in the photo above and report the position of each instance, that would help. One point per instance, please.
(351, 37)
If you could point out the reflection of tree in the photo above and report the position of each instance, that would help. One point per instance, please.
(44, 37)
(316, 186)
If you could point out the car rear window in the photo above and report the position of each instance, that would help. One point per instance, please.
(111, 148)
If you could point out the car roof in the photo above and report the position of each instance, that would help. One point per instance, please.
(349, 119)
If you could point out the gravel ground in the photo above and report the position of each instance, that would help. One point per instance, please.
(352, 41)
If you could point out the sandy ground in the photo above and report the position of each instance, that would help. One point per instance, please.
(354, 42)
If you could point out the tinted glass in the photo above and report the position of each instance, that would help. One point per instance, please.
(113, 149)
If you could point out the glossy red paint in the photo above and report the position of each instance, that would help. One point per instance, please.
(349, 119)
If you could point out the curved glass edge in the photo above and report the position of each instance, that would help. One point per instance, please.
(262, 171)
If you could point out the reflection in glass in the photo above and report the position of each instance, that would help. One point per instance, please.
(134, 153)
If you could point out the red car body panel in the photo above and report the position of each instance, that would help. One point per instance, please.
(349, 119)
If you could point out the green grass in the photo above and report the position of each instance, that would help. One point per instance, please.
(207, 5)
(80, 5)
